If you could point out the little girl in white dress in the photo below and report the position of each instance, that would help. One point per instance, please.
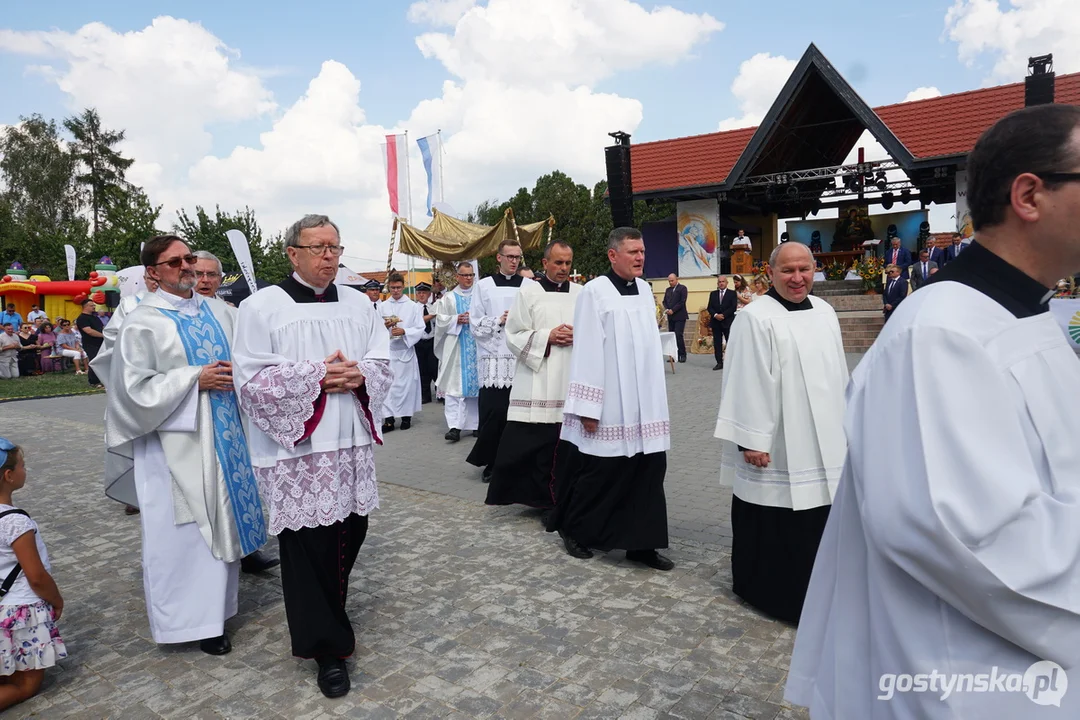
(30, 602)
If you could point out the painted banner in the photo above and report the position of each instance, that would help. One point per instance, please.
(698, 225)
(69, 254)
(963, 217)
(1067, 312)
(242, 251)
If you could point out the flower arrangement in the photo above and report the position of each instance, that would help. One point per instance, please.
(835, 270)
(870, 269)
(761, 268)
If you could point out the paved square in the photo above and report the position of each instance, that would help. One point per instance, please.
(461, 610)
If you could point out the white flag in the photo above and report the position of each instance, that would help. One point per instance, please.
(431, 153)
(242, 251)
(69, 253)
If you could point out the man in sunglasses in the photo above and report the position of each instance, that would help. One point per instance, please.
(952, 549)
(172, 409)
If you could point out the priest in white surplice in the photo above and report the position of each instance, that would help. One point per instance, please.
(171, 400)
(780, 420)
(539, 330)
(612, 455)
(953, 546)
(455, 347)
(492, 299)
(405, 321)
(120, 467)
(313, 371)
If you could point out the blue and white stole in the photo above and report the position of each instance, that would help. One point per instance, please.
(204, 342)
(470, 378)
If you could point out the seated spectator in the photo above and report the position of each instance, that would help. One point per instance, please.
(69, 343)
(47, 343)
(28, 353)
(9, 352)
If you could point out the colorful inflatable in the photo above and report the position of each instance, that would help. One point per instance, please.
(59, 298)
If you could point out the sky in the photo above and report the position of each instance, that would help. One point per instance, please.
(283, 106)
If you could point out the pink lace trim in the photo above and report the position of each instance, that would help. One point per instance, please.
(620, 433)
(588, 393)
(280, 399)
(319, 489)
(378, 377)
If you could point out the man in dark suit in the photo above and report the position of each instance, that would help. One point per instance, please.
(675, 309)
(425, 347)
(953, 250)
(921, 271)
(896, 289)
(721, 308)
(899, 256)
(935, 254)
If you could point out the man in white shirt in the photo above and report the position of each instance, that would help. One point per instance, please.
(741, 242)
(35, 315)
(946, 581)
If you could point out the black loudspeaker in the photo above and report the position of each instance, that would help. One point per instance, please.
(1039, 89)
(620, 190)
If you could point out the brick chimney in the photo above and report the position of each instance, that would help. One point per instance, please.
(1039, 83)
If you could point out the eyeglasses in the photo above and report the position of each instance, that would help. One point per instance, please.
(510, 257)
(178, 261)
(1060, 176)
(317, 250)
(465, 275)
(210, 274)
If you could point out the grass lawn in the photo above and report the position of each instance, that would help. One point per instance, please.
(43, 386)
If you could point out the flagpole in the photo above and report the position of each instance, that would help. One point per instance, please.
(408, 186)
(442, 180)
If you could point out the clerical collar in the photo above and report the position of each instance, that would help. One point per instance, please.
(305, 283)
(501, 280)
(176, 300)
(624, 286)
(302, 292)
(1005, 284)
(550, 286)
(806, 304)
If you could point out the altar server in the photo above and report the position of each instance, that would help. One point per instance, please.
(954, 542)
(492, 299)
(612, 457)
(540, 332)
(171, 400)
(404, 319)
(313, 371)
(780, 420)
(455, 347)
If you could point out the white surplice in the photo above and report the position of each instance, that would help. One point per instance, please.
(783, 393)
(404, 398)
(278, 365)
(190, 546)
(616, 374)
(542, 374)
(459, 379)
(496, 360)
(953, 544)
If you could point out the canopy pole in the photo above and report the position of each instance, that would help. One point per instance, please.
(513, 223)
(551, 228)
(390, 253)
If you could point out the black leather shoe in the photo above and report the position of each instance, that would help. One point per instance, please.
(333, 677)
(682, 359)
(216, 646)
(574, 548)
(718, 366)
(651, 558)
(476, 433)
(388, 425)
(453, 435)
(406, 423)
(257, 562)
(545, 518)
(488, 472)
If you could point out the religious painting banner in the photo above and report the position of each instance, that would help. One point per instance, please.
(698, 223)
(963, 215)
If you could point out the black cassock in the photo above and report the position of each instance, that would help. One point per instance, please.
(425, 358)
(492, 405)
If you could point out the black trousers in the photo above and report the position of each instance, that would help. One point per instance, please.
(315, 567)
(719, 333)
(492, 406)
(429, 367)
(677, 327)
(91, 350)
(522, 473)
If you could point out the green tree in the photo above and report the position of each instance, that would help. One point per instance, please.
(204, 232)
(100, 167)
(129, 221)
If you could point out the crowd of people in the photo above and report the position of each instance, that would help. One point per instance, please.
(226, 426)
(35, 346)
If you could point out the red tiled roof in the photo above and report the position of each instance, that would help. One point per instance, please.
(688, 161)
(946, 125)
(950, 124)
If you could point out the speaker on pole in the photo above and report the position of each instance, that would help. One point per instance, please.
(620, 189)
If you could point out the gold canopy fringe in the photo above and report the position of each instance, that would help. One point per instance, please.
(449, 239)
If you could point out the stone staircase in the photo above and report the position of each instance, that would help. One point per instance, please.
(859, 314)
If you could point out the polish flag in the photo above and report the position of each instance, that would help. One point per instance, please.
(396, 161)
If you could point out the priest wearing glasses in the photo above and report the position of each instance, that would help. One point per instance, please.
(171, 407)
(313, 372)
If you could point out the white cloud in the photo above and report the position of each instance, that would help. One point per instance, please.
(759, 81)
(502, 128)
(1009, 37)
(922, 93)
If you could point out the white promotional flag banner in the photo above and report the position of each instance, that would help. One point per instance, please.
(1067, 312)
(242, 251)
(431, 153)
(396, 163)
(131, 280)
(69, 253)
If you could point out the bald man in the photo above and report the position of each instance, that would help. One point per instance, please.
(675, 310)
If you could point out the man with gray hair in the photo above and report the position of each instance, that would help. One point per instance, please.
(312, 369)
(208, 273)
(612, 458)
(781, 422)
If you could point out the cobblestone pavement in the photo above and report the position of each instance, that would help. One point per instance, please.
(461, 610)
